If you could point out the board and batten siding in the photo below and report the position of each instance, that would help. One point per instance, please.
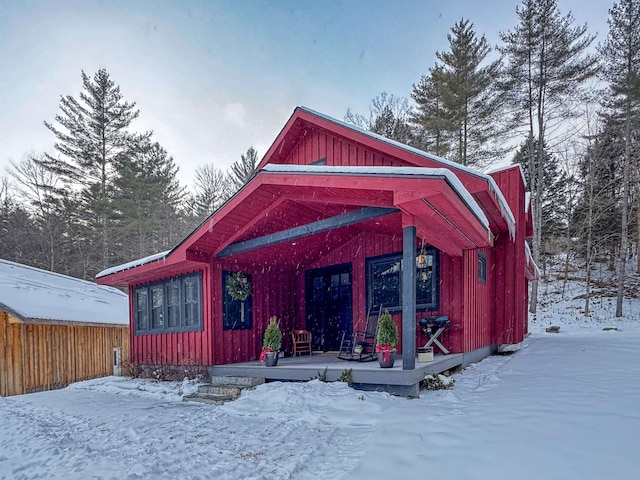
(183, 348)
(318, 144)
(38, 357)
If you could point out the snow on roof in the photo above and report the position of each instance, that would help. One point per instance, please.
(508, 167)
(133, 263)
(493, 187)
(529, 256)
(415, 172)
(30, 294)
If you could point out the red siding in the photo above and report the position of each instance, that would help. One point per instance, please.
(482, 314)
(175, 348)
(511, 285)
(478, 311)
(317, 144)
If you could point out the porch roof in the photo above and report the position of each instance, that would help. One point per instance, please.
(291, 215)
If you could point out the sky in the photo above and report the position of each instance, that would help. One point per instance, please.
(213, 78)
(564, 406)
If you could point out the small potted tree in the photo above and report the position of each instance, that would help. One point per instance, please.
(387, 340)
(271, 343)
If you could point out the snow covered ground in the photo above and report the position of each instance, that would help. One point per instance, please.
(565, 406)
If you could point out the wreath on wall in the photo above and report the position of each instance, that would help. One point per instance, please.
(238, 286)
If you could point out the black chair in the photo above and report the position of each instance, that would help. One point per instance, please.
(361, 345)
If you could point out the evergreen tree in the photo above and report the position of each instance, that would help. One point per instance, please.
(469, 96)
(17, 230)
(91, 134)
(431, 118)
(243, 169)
(554, 201)
(621, 54)
(546, 66)
(147, 199)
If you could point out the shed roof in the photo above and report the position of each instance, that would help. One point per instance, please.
(38, 296)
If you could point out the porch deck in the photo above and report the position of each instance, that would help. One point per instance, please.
(366, 375)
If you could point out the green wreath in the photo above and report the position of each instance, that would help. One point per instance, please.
(238, 286)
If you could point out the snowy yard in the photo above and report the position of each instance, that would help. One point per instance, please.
(565, 406)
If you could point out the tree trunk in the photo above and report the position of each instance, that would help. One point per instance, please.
(624, 239)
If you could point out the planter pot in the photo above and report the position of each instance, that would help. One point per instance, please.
(271, 359)
(390, 362)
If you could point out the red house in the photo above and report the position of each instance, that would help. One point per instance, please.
(322, 230)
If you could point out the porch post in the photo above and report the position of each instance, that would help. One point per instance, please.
(409, 298)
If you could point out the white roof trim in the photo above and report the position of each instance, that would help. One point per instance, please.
(415, 172)
(134, 263)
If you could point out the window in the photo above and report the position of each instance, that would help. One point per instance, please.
(174, 305)
(142, 308)
(384, 282)
(236, 315)
(172, 292)
(482, 268)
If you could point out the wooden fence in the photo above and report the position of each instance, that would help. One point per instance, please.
(37, 357)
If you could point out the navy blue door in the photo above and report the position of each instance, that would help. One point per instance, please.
(328, 305)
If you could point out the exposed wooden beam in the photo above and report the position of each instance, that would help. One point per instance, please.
(331, 223)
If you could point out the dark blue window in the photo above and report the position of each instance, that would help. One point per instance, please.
(171, 306)
(482, 268)
(236, 315)
(384, 281)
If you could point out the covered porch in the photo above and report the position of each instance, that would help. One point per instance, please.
(366, 375)
(305, 226)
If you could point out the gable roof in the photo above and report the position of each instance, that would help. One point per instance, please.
(273, 196)
(303, 117)
(38, 296)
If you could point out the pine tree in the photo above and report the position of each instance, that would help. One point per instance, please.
(546, 66)
(469, 96)
(431, 118)
(243, 169)
(147, 197)
(621, 54)
(91, 134)
(553, 203)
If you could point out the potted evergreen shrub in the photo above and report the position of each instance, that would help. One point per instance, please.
(271, 343)
(387, 340)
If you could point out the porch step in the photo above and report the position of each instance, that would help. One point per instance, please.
(222, 389)
(236, 380)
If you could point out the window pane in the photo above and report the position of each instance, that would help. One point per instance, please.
(157, 304)
(192, 301)
(142, 312)
(344, 279)
(386, 283)
(173, 304)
